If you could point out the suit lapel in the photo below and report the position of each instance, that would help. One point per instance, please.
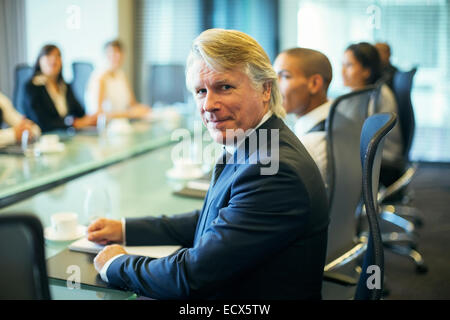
(219, 191)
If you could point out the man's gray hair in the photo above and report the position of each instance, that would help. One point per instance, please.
(225, 50)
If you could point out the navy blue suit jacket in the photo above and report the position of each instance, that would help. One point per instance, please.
(257, 236)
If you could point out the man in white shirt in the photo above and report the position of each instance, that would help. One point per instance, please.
(18, 124)
(304, 76)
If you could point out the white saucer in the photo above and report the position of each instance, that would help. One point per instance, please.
(184, 175)
(119, 126)
(53, 148)
(49, 235)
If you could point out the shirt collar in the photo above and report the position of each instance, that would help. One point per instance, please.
(312, 118)
(232, 148)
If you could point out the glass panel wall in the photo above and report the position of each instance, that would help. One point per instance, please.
(418, 33)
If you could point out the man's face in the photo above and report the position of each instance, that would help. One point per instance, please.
(294, 85)
(227, 100)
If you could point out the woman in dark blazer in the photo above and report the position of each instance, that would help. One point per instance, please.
(49, 100)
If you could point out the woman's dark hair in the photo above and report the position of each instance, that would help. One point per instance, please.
(115, 44)
(45, 50)
(369, 58)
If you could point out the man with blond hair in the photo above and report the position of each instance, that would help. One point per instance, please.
(261, 234)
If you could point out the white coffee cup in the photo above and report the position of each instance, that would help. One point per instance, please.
(120, 126)
(64, 224)
(186, 166)
(49, 139)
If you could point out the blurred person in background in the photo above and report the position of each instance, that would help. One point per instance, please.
(304, 76)
(109, 90)
(18, 124)
(387, 69)
(362, 67)
(49, 100)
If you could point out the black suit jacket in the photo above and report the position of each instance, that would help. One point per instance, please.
(39, 107)
(257, 236)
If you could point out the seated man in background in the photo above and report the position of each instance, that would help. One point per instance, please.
(18, 124)
(109, 90)
(262, 232)
(387, 69)
(304, 76)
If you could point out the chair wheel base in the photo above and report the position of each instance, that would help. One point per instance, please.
(421, 269)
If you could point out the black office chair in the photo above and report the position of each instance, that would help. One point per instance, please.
(22, 74)
(23, 272)
(81, 73)
(374, 130)
(403, 238)
(344, 175)
(402, 85)
(167, 83)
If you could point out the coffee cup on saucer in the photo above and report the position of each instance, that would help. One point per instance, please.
(64, 227)
(49, 143)
(185, 169)
(119, 126)
(49, 140)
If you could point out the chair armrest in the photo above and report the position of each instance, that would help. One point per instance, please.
(339, 278)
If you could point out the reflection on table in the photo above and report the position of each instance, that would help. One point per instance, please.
(137, 187)
(83, 152)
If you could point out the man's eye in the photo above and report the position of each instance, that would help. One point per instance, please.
(226, 87)
(201, 91)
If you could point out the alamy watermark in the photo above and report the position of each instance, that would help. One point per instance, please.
(73, 21)
(74, 278)
(374, 19)
(374, 280)
(250, 146)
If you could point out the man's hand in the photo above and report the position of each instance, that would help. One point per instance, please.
(107, 253)
(104, 231)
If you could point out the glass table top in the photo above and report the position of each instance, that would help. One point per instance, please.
(136, 187)
(83, 152)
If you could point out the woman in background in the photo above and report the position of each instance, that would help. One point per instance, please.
(362, 67)
(49, 100)
(18, 124)
(109, 90)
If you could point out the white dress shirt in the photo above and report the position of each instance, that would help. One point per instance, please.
(314, 142)
(12, 118)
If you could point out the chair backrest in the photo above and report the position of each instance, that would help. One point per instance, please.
(22, 74)
(343, 127)
(23, 273)
(81, 73)
(374, 130)
(167, 83)
(402, 86)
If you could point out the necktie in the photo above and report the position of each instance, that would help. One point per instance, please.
(220, 165)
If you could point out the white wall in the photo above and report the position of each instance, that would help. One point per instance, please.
(79, 28)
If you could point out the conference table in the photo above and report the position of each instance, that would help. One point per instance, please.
(132, 169)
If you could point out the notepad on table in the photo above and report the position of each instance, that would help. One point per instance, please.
(84, 245)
